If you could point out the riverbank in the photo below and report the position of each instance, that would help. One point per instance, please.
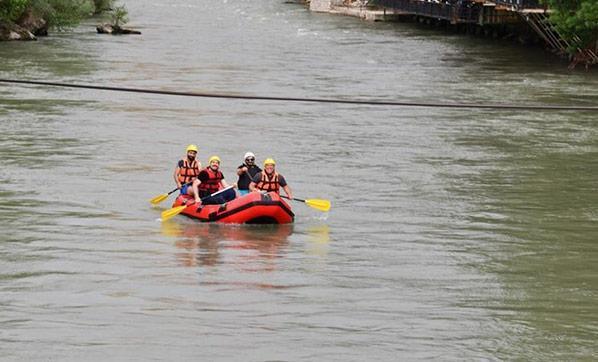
(27, 27)
(29, 21)
(509, 26)
(357, 9)
(527, 23)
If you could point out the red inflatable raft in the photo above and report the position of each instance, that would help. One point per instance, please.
(253, 208)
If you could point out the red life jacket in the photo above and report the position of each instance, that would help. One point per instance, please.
(188, 171)
(269, 183)
(212, 184)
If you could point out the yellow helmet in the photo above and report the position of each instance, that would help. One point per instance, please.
(269, 161)
(214, 158)
(192, 148)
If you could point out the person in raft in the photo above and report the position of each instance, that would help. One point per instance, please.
(270, 180)
(209, 181)
(187, 170)
(246, 173)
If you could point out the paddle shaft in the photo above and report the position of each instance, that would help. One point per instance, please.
(292, 198)
(318, 204)
(214, 194)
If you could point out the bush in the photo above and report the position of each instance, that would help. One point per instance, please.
(102, 5)
(11, 10)
(62, 13)
(120, 15)
(58, 13)
(576, 21)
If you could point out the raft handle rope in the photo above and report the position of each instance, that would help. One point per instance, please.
(310, 100)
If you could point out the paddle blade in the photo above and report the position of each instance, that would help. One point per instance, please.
(158, 199)
(172, 212)
(319, 204)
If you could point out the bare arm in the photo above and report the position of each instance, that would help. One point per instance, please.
(196, 183)
(241, 171)
(252, 186)
(176, 176)
(287, 190)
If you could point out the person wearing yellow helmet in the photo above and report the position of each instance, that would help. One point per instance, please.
(187, 170)
(269, 180)
(209, 181)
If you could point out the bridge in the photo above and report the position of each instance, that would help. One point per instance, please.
(489, 13)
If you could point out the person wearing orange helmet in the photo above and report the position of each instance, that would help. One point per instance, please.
(187, 170)
(269, 180)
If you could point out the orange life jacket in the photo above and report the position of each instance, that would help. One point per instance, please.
(269, 183)
(188, 171)
(212, 184)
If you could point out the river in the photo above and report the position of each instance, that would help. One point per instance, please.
(454, 234)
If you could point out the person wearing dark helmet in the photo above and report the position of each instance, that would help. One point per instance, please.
(187, 170)
(269, 180)
(246, 172)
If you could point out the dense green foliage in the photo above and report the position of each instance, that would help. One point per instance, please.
(11, 10)
(103, 5)
(62, 13)
(58, 13)
(120, 15)
(576, 21)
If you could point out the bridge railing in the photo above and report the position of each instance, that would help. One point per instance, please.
(521, 4)
(457, 11)
(419, 5)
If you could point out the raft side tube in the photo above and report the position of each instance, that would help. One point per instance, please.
(253, 208)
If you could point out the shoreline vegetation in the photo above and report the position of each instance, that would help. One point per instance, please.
(29, 19)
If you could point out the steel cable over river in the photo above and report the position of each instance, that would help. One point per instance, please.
(529, 107)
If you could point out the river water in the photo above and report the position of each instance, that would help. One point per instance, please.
(453, 234)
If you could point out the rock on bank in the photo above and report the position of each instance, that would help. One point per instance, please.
(27, 27)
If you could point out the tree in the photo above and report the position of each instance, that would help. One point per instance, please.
(576, 21)
(62, 13)
(102, 5)
(58, 13)
(11, 10)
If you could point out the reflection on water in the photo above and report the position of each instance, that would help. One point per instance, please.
(251, 247)
(318, 239)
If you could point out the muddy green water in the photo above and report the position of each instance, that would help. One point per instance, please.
(454, 234)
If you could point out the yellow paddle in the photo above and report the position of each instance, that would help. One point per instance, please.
(158, 199)
(173, 212)
(167, 214)
(318, 204)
